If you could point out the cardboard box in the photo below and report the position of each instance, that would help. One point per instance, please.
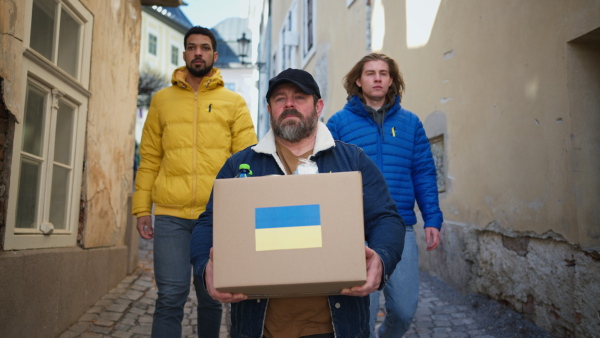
(265, 244)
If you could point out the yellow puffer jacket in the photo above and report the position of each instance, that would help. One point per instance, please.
(186, 139)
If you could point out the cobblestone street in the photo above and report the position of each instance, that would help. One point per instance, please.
(126, 311)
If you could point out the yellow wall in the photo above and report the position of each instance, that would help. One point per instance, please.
(111, 117)
(11, 47)
(340, 39)
(499, 71)
(340, 43)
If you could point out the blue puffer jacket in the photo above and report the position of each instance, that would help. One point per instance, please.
(384, 230)
(401, 151)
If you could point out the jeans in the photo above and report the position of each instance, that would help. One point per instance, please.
(401, 293)
(172, 271)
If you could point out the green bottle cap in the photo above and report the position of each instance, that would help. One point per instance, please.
(244, 166)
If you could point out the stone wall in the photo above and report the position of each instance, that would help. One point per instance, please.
(553, 283)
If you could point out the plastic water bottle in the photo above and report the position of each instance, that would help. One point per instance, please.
(244, 171)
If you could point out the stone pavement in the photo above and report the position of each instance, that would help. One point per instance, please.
(126, 311)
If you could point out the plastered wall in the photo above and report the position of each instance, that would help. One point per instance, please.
(108, 172)
(502, 79)
(510, 84)
(11, 45)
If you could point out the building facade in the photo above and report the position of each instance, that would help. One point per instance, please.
(236, 70)
(163, 32)
(161, 51)
(68, 73)
(508, 92)
(163, 29)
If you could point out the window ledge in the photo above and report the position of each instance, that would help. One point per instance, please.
(55, 71)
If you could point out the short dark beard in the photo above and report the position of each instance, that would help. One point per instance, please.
(199, 72)
(291, 131)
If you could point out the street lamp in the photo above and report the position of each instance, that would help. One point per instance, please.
(243, 45)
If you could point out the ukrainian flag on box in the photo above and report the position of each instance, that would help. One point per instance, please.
(289, 227)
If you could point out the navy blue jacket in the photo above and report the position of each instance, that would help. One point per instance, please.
(384, 229)
(401, 150)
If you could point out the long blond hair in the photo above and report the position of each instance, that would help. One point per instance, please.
(397, 87)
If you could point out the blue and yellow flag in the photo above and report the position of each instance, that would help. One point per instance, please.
(289, 227)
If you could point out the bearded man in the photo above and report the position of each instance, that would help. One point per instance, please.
(295, 104)
(192, 127)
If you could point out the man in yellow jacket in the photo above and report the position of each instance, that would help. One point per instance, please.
(191, 129)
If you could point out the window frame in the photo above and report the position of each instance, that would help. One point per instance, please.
(287, 46)
(79, 20)
(57, 85)
(86, 19)
(308, 32)
(437, 146)
(150, 35)
(175, 55)
(282, 49)
(275, 62)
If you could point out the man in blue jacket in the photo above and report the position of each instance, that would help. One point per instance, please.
(395, 140)
(294, 104)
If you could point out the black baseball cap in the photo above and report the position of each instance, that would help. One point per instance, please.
(299, 77)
